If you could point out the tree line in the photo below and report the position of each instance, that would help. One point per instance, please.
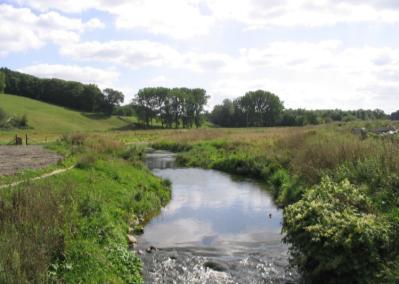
(254, 109)
(262, 108)
(71, 94)
(176, 107)
(170, 107)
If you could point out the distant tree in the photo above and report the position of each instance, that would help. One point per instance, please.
(395, 115)
(223, 115)
(2, 82)
(112, 98)
(84, 97)
(178, 106)
(258, 108)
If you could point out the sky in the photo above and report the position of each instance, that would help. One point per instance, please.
(313, 54)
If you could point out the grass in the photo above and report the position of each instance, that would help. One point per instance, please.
(324, 177)
(72, 227)
(49, 121)
(92, 205)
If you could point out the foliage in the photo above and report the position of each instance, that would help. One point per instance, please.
(2, 82)
(171, 106)
(395, 115)
(258, 108)
(301, 117)
(8, 122)
(75, 95)
(264, 109)
(112, 98)
(335, 234)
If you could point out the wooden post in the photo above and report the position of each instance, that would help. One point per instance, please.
(16, 139)
(26, 139)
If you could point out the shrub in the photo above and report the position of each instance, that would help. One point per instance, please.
(336, 236)
(172, 146)
(74, 139)
(9, 122)
(87, 160)
(133, 153)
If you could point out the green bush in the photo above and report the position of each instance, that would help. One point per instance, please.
(9, 122)
(336, 236)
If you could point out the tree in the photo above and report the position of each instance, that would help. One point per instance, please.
(84, 97)
(178, 106)
(395, 115)
(2, 82)
(112, 98)
(258, 108)
(223, 115)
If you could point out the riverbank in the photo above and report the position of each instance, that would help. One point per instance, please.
(73, 227)
(339, 192)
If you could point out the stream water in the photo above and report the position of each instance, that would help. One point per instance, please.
(216, 229)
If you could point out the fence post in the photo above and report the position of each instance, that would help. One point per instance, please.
(16, 139)
(26, 139)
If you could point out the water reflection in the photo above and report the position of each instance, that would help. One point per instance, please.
(160, 159)
(215, 218)
(210, 208)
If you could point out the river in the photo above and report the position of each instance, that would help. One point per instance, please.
(216, 229)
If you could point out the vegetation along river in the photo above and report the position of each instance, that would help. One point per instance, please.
(216, 229)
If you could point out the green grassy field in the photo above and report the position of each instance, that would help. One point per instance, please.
(47, 118)
(339, 192)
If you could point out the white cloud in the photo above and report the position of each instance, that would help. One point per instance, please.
(316, 75)
(102, 77)
(134, 54)
(143, 53)
(189, 18)
(21, 29)
(308, 13)
(175, 18)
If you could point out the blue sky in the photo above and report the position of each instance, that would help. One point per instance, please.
(312, 53)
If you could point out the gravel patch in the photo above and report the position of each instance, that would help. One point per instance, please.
(14, 159)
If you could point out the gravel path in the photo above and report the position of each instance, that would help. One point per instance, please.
(16, 158)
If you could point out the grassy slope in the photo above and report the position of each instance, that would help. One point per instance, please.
(47, 118)
(72, 227)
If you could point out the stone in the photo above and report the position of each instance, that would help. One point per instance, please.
(217, 266)
(151, 249)
(131, 239)
(138, 230)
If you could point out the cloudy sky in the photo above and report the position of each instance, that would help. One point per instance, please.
(312, 53)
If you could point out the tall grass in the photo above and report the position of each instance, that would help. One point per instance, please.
(72, 227)
(32, 219)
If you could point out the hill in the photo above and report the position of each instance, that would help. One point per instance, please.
(47, 118)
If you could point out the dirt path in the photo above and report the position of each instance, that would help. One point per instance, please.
(14, 159)
(53, 173)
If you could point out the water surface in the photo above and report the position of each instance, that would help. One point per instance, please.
(216, 229)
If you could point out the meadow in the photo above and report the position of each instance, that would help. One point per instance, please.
(339, 191)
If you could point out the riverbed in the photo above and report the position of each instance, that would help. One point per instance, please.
(217, 229)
